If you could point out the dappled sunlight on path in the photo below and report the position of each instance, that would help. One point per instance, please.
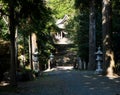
(59, 68)
(67, 81)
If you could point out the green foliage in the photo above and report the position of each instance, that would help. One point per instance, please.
(4, 34)
(71, 28)
(31, 16)
(61, 7)
(40, 22)
(4, 31)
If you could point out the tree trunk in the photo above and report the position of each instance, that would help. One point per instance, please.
(30, 51)
(34, 42)
(92, 36)
(12, 40)
(108, 54)
(34, 50)
(16, 47)
(24, 47)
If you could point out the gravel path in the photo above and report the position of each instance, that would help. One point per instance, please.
(64, 81)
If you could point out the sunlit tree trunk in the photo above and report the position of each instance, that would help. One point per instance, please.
(12, 40)
(108, 54)
(92, 36)
(34, 42)
(32, 47)
(30, 51)
(16, 46)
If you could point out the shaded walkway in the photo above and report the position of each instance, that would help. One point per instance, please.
(65, 81)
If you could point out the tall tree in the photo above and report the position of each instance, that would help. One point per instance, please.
(92, 36)
(108, 53)
(12, 27)
(10, 15)
(116, 33)
(83, 5)
(23, 9)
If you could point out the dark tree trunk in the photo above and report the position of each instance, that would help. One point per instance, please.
(92, 36)
(30, 51)
(108, 54)
(24, 47)
(12, 40)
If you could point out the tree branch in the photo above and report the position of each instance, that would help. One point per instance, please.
(5, 20)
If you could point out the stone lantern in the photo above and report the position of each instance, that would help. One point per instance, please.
(99, 61)
(51, 56)
(36, 61)
(50, 63)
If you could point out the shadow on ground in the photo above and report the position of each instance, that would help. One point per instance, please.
(67, 81)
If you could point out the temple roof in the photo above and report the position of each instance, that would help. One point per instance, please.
(61, 22)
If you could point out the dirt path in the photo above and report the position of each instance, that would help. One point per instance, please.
(65, 81)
